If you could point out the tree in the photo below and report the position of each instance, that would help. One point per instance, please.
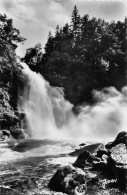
(66, 30)
(8, 32)
(76, 23)
(33, 57)
(10, 72)
(57, 33)
(49, 46)
(85, 55)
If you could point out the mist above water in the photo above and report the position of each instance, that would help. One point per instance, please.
(49, 115)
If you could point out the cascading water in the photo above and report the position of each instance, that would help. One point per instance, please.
(44, 106)
(49, 115)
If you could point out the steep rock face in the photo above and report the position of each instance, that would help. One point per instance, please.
(10, 79)
(7, 115)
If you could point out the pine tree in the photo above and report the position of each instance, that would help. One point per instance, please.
(76, 23)
(57, 30)
(49, 46)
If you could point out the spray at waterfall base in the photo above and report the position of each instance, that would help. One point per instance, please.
(49, 115)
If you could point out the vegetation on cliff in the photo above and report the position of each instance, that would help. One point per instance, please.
(10, 72)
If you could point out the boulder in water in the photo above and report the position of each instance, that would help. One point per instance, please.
(117, 165)
(86, 160)
(28, 144)
(121, 138)
(82, 144)
(66, 179)
(92, 148)
(109, 165)
(6, 133)
(17, 134)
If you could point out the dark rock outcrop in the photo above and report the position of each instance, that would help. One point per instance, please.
(66, 179)
(82, 144)
(17, 133)
(121, 138)
(6, 133)
(28, 144)
(93, 148)
(85, 159)
(71, 180)
(117, 165)
(110, 166)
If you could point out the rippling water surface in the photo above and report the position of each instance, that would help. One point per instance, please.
(29, 172)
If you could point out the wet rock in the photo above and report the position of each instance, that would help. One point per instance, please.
(82, 144)
(100, 153)
(6, 133)
(85, 160)
(119, 154)
(93, 148)
(112, 164)
(100, 165)
(121, 138)
(66, 179)
(105, 170)
(81, 160)
(117, 165)
(1, 136)
(27, 144)
(17, 134)
(80, 190)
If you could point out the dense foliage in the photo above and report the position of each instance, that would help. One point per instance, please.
(88, 54)
(10, 72)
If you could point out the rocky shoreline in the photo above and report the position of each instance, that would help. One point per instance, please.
(97, 170)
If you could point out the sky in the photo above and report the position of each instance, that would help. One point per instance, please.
(35, 18)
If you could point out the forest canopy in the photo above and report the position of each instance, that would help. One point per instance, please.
(82, 56)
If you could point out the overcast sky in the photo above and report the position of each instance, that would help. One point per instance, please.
(35, 18)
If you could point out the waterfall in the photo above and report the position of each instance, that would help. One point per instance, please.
(49, 115)
(44, 106)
